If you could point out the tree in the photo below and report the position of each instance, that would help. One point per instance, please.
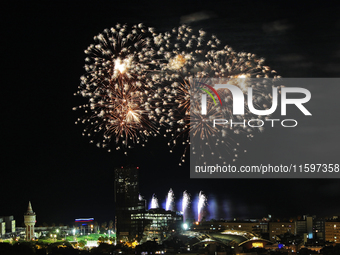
(111, 224)
(100, 239)
(82, 243)
(331, 250)
(305, 251)
(104, 225)
(96, 226)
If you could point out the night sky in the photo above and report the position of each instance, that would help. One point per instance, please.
(47, 161)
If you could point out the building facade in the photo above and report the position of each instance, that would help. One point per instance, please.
(311, 228)
(127, 201)
(7, 225)
(2, 227)
(281, 228)
(84, 225)
(332, 231)
(255, 227)
(154, 224)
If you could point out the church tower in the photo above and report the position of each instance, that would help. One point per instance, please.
(29, 219)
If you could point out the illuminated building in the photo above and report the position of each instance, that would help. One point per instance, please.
(127, 201)
(2, 227)
(154, 224)
(255, 243)
(280, 228)
(255, 227)
(84, 225)
(29, 220)
(311, 228)
(332, 231)
(7, 225)
(319, 229)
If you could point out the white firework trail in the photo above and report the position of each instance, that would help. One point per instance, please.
(154, 202)
(202, 200)
(170, 201)
(185, 204)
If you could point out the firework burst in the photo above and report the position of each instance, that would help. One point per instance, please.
(181, 57)
(192, 61)
(119, 82)
(137, 81)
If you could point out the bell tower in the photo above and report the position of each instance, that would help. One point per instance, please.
(29, 220)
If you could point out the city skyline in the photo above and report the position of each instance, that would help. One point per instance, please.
(48, 162)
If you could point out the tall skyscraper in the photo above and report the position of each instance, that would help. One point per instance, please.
(127, 200)
(29, 220)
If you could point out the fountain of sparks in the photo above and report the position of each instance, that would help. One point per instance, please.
(202, 200)
(170, 201)
(154, 202)
(185, 203)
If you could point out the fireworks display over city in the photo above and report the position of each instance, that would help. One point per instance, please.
(129, 73)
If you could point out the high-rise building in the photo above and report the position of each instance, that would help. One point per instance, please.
(127, 200)
(10, 224)
(2, 227)
(29, 220)
(311, 228)
(7, 225)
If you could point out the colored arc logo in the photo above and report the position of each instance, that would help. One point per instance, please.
(208, 92)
